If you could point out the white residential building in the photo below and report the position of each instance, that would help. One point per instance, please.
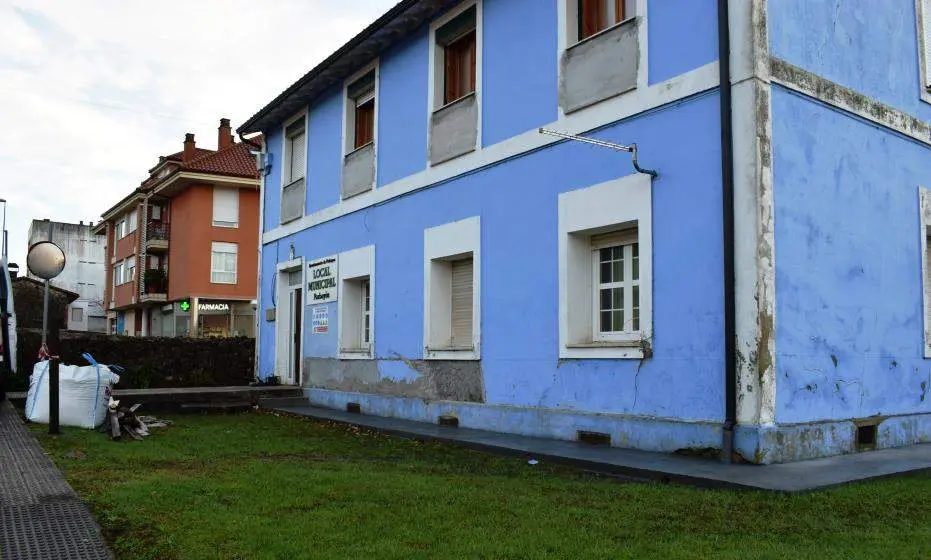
(84, 271)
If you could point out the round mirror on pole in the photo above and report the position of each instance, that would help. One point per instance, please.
(46, 260)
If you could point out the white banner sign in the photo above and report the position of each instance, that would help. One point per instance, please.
(322, 280)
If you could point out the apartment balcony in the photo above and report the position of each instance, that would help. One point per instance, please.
(157, 235)
(155, 286)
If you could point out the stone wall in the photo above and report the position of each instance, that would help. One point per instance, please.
(149, 362)
(28, 300)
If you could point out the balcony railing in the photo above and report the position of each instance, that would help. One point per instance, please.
(158, 230)
(157, 236)
(155, 285)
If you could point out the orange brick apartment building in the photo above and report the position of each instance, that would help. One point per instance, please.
(182, 248)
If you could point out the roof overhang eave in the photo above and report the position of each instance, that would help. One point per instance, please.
(392, 27)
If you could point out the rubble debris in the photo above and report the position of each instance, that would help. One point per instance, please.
(122, 420)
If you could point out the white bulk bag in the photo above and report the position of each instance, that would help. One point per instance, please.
(83, 394)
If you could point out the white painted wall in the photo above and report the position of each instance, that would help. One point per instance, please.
(84, 271)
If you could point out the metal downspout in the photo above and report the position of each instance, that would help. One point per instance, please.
(727, 180)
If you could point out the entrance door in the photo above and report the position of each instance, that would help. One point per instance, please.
(289, 323)
(294, 370)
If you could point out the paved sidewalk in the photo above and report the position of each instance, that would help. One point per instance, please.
(789, 477)
(41, 517)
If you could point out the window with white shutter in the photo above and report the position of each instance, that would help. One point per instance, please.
(356, 304)
(461, 304)
(225, 207)
(117, 274)
(133, 220)
(452, 291)
(223, 263)
(129, 269)
(293, 188)
(295, 152)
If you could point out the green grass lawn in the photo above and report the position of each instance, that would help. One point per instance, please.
(263, 486)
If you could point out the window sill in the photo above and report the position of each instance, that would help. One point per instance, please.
(359, 149)
(464, 353)
(611, 350)
(284, 221)
(233, 283)
(355, 354)
(455, 101)
(604, 31)
(226, 225)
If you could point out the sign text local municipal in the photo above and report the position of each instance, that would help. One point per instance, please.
(322, 285)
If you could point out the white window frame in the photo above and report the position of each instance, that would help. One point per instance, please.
(355, 267)
(225, 223)
(216, 248)
(286, 164)
(437, 69)
(623, 239)
(349, 111)
(923, 20)
(117, 274)
(615, 205)
(121, 228)
(567, 16)
(129, 269)
(572, 19)
(132, 219)
(924, 204)
(442, 245)
(286, 150)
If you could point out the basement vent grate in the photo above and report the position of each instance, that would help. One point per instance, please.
(866, 437)
(593, 438)
(354, 408)
(449, 421)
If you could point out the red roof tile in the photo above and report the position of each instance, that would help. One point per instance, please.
(235, 160)
(198, 153)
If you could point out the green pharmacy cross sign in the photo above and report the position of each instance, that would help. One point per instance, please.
(185, 305)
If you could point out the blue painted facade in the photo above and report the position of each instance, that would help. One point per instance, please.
(849, 310)
(848, 332)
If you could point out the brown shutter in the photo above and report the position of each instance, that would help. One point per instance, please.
(618, 11)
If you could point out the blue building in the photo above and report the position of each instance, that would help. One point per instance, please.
(428, 251)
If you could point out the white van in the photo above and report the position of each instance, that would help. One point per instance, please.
(7, 328)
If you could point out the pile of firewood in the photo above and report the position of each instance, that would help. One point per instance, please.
(122, 420)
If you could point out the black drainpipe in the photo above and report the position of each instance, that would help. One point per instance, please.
(727, 179)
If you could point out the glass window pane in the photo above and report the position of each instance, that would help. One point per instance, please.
(606, 321)
(618, 270)
(618, 298)
(636, 261)
(605, 273)
(605, 299)
(618, 320)
(636, 309)
(605, 254)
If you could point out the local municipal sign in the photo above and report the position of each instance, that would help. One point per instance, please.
(322, 283)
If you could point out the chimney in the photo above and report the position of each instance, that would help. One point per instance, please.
(225, 135)
(188, 147)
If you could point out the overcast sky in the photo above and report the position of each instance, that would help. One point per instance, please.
(93, 91)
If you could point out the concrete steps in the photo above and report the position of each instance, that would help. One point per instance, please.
(189, 399)
(278, 402)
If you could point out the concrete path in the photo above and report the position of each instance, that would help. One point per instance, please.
(41, 518)
(790, 477)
